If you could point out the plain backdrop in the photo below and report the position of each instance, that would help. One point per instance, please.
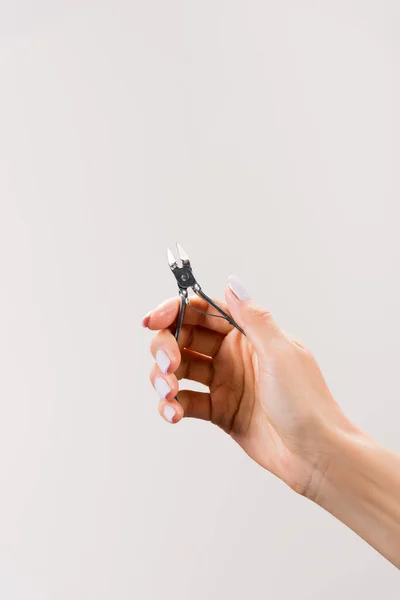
(264, 137)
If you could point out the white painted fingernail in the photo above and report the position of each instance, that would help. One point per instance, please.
(162, 360)
(169, 413)
(162, 387)
(238, 288)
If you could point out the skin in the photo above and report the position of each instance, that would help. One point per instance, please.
(267, 392)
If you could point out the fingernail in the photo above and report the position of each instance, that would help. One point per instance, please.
(146, 319)
(238, 288)
(169, 413)
(162, 360)
(162, 387)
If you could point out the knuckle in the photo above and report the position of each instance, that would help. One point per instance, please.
(182, 368)
(152, 374)
(166, 341)
(173, 382)
(155, 343)
(187, 403)
(262, 314)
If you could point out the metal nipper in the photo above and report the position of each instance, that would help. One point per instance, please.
(182, 270)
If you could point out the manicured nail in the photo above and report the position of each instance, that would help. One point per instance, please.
(162, 387)
(238, 288)
(146, 319)
(169, 413)
(162, 360)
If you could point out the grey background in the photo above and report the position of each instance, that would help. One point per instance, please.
(265, 137)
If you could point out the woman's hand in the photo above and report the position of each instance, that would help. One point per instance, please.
(267, 392)
(265, 389)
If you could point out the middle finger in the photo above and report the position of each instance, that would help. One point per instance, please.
(165, 349)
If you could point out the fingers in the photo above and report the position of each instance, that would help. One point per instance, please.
(165, 315)
(165, 385)
(258, 324)
(195, 405)
(196, 368)
(191, 404)
(171, 411)
(201, 338)
(166, 351)
(192, 366)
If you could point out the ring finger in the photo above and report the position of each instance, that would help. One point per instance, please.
(195, 367)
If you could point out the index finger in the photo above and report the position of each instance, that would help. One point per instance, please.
(166, 315)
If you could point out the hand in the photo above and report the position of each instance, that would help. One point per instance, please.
(267, 392)
(265, 389)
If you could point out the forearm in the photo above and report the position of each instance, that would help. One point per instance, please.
(361, 487)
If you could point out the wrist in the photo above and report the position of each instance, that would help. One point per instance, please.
(339, 452)
(359, 484)
(327, 445)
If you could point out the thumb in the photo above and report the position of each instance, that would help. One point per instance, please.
(256, 322)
